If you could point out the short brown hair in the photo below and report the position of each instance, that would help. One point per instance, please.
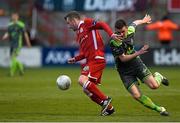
(72, 15)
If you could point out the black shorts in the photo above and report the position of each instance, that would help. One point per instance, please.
(130, 78)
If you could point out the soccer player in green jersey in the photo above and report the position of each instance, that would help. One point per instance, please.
(15, 33)
(131, 68)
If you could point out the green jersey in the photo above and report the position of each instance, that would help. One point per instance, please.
(16, 32)
(129, 71)
(125, 47)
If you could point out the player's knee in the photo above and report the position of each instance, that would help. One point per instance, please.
(154, 85)
(82, 79)
(136, 95)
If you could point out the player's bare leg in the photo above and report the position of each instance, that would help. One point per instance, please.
(152, 82)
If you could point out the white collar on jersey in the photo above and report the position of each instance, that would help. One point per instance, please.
(81, 22)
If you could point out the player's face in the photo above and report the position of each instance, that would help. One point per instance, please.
(15, 17)
(72, 24)
(122, 32)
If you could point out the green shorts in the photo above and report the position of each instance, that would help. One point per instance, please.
(130, 78)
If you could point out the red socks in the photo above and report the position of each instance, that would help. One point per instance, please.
(91, 87)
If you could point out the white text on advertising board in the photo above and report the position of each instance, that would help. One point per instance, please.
(57, 57)
(104, 5)
(163, 57)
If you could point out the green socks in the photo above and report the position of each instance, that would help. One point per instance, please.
(146, 101)
(13, 66)
(20, 67)
(16, 65)
(158, 77)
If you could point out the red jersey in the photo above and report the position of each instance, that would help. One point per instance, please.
(91, 44)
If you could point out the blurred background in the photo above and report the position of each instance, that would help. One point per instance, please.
(34, 96)
(53, 43)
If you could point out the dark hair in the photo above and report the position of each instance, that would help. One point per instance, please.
(119, 24)
(72, 15)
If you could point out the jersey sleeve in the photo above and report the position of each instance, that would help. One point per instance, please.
(131, 28)
(154, 26)
(172, 25)
(95, 24)
(79, 57)
(116, 48)
(22, 26)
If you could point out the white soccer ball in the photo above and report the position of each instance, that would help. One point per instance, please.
(63, 82)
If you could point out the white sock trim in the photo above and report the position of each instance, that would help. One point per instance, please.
(86, 84)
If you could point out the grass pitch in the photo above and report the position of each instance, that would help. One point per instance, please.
(35, 97)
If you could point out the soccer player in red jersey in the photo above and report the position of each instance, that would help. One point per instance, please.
(91, 48)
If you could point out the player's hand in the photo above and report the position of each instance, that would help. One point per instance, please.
(71, 60)
(147, 19)
(116, 37)
(143, 50)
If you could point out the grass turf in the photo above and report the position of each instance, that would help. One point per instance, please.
(35, 97)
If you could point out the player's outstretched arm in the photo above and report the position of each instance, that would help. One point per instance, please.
(71, 60)
(107, 29)
(145, 20)
(125, 58)
(104, 26)
(76, 58)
